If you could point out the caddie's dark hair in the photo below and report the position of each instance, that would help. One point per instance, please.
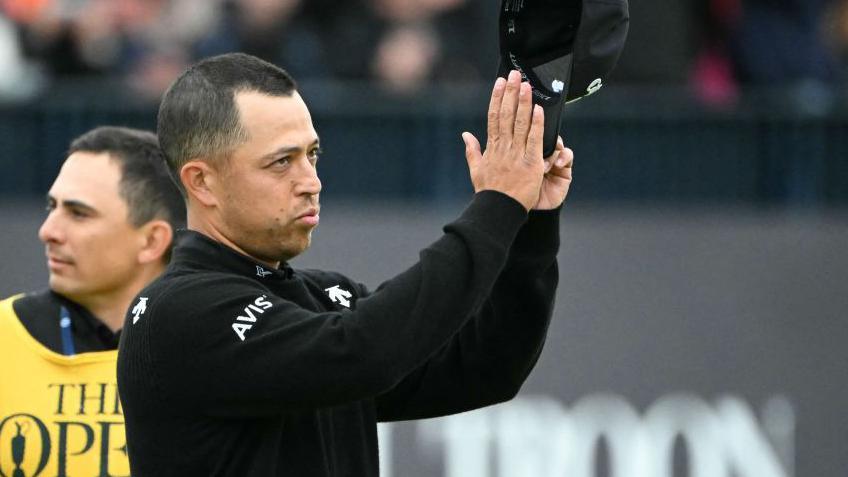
(145, 183)
(198, 116)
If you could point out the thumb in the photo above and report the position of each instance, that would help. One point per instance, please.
(472, 149)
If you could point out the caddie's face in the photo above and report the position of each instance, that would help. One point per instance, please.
(271, 183)
(91, 247)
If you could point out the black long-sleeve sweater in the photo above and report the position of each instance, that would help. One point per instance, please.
(226, 368)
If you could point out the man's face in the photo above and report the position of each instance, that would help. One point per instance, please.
(268, 194)
(91, 247)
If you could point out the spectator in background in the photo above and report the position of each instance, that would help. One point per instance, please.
(713, 75)
(275, 30)
(74, 39)
(142, 40)
(156, 37)
(405, 56)
(20, 79)
(780, 44)
(780, 41)
(405, 44)
(775, 48)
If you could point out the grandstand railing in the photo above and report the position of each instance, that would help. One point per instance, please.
(632, 145)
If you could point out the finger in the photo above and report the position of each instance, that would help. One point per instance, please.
(549, 161)
(559, 173)
(506, 116)
(562, 167)
(533, 149)
(566, 158)
(495, 108)
(523, 114)
(472, 150)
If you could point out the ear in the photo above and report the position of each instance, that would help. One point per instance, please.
(199, 179)
(156, 236)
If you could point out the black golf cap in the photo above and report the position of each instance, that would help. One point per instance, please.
(564, 48)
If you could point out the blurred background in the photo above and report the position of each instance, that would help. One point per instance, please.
(704, 265)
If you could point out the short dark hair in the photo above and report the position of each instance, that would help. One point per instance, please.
(198, 116)
(145, 184)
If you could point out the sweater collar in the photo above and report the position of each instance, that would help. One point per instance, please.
(200, 249)
(86, 324)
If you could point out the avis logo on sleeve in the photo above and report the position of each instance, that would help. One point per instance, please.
(245, 320)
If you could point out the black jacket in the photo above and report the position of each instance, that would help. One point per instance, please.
(235, 370)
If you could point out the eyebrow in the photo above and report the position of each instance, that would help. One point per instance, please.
(287, 150)
(71, 204)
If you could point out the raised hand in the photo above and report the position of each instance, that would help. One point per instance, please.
(512, 163)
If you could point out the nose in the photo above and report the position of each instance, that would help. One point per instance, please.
(51, 231)
(307, 182)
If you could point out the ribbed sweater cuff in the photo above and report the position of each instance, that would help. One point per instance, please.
(496, 214)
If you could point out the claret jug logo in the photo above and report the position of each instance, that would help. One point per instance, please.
(81, 434)
(23, 434)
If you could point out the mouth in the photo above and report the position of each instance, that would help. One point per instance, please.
(310, 217)
(58, 261)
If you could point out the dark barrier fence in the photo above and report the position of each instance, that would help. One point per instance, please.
(631, 146)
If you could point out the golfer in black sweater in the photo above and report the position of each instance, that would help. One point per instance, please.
(234, 364)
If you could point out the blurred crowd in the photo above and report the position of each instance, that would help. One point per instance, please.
(789, 52)
(797, 48)
(401, 44)
(716, 47)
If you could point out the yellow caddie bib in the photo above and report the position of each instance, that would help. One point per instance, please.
(59, 415)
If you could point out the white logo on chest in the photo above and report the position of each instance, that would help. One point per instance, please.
(139, 308)
(338, 295)
(245, 321)
(261, 272)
